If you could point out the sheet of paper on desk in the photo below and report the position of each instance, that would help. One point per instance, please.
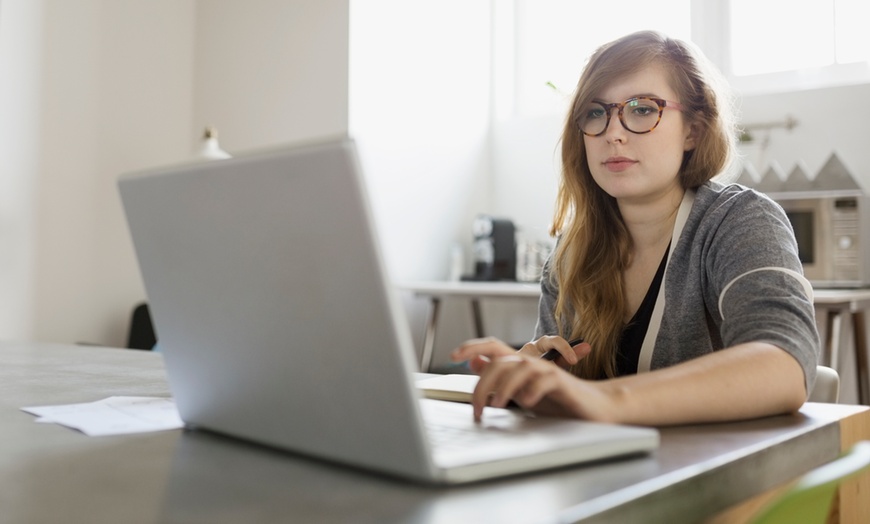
(113, 415)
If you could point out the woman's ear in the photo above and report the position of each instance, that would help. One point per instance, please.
(693, 136)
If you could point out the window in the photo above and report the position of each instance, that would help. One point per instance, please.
(778, 45)
(760, 45)
(768, 36)
(549, 41)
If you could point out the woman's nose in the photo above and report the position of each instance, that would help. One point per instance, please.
(615, 130)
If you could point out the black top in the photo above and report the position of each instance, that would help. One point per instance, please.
(634, 332)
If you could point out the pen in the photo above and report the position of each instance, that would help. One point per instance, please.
(553, 353)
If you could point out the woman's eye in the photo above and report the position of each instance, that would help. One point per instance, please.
(594, 113)
(644, 110)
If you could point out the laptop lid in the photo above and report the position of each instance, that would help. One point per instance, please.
(272, 307)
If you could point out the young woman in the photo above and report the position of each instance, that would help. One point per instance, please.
(687, 293)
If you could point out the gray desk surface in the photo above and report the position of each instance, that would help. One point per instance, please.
(53, 474)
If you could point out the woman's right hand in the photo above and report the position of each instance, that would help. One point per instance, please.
(480, 351)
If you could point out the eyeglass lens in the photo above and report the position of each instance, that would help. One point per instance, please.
(639, 115)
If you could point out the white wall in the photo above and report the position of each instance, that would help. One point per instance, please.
(109, 87)
(419, 110)
(115, 97)
(270, 71)
(526, 167)
(94, 88)
(829, 120)
(21, 32)
(419, 95)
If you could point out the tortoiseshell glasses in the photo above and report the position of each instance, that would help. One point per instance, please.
(639, 115)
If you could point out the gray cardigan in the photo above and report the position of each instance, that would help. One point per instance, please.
(733, 276)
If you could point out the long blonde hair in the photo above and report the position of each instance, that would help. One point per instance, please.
(594, 245)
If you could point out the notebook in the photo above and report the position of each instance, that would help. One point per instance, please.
(279, 325)
(452, 386)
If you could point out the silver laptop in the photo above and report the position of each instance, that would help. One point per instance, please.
(279, 325)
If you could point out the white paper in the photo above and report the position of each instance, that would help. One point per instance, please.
(113, 415)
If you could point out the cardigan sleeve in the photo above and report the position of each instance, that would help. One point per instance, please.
(547, 305)
(753, 268)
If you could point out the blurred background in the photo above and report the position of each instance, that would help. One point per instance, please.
(456, 105)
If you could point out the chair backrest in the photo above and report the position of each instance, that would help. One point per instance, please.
(827, 386)
(809, 501)
(141, 334)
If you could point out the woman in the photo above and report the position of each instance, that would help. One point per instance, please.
(688, 293)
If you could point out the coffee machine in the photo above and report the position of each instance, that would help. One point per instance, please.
(494, 249)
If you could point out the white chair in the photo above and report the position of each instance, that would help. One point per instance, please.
(827, 386)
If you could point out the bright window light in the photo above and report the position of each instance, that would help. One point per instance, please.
(769, 36)
(853, 38)
(554, 39)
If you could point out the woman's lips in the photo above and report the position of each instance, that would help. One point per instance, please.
(618, 163)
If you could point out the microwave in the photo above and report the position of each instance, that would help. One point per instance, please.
(833, 237)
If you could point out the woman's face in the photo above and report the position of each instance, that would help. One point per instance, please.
(639, 168)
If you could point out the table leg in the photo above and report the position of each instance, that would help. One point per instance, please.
(832, 337)
(429, 335)
(859, 331)
(478, 318)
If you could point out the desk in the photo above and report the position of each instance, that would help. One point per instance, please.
(849, 303)
(53, 474)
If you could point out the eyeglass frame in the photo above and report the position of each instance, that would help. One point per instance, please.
(661, 103)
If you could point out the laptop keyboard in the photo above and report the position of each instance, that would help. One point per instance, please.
(450, 425)
(447, 437)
